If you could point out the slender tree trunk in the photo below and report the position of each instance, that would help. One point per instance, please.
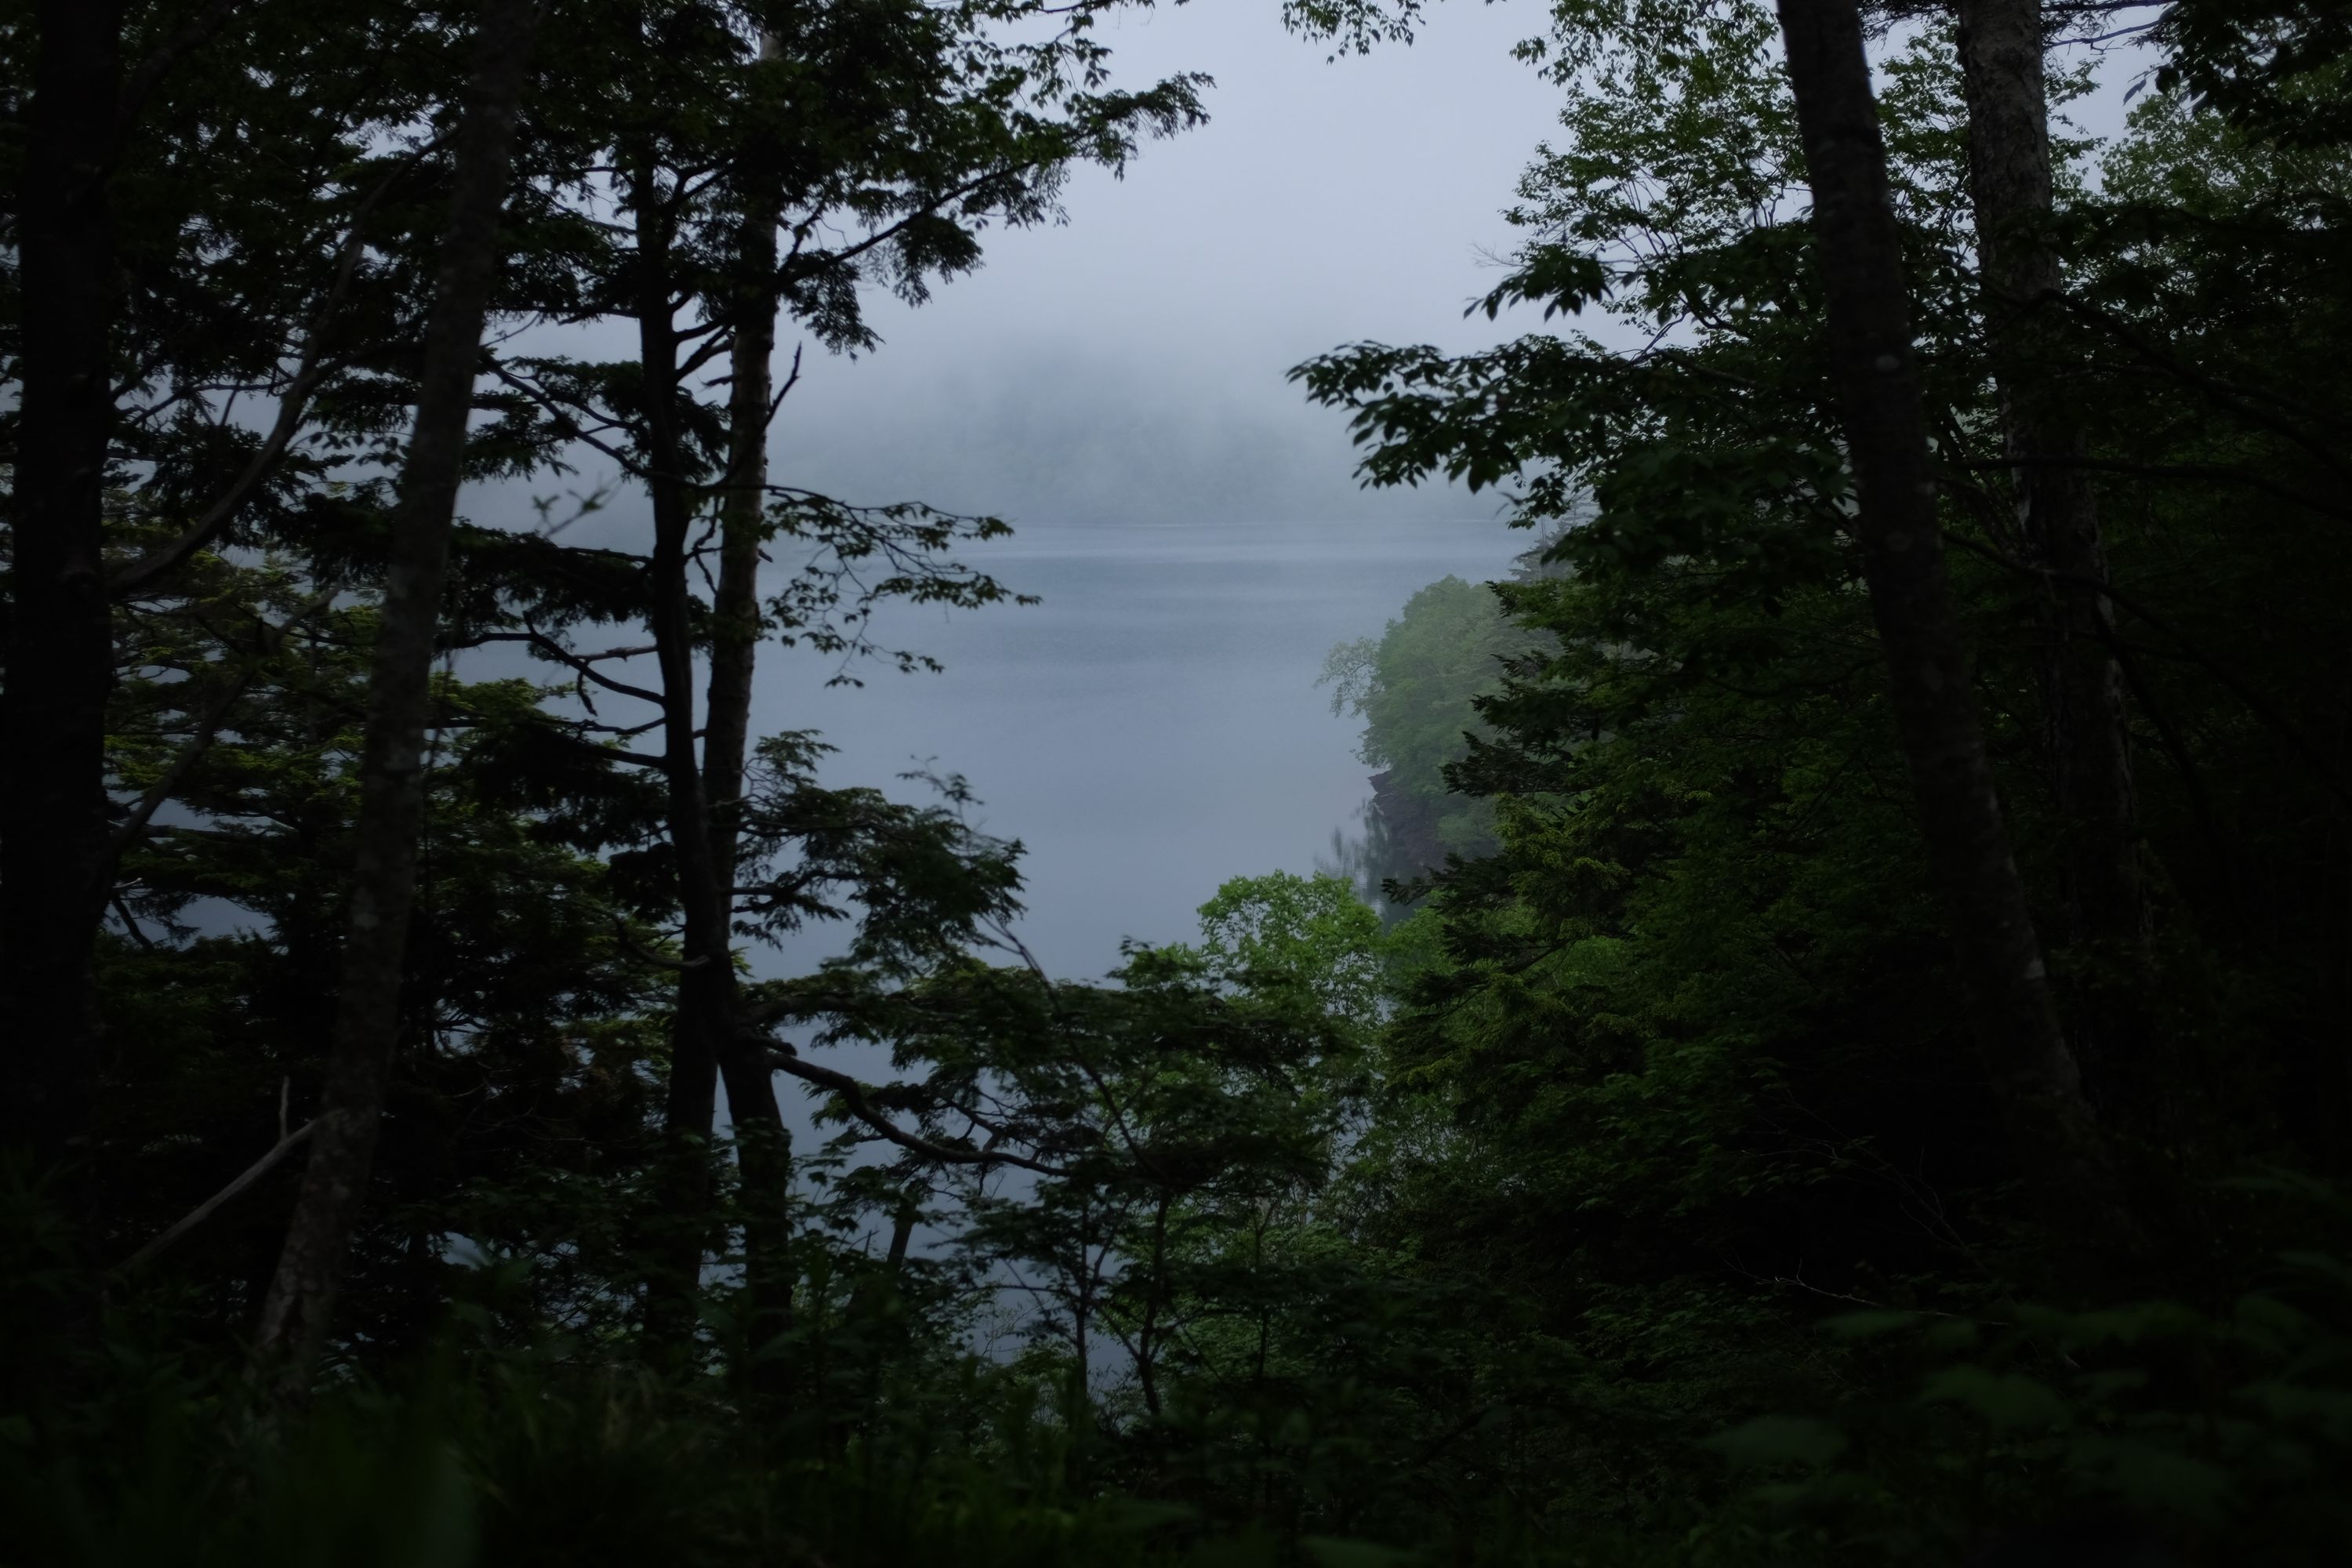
(706, 1008)
(735, 621)
(763, 1142)
(295, 1317)
(705, 1034)
(2010, 179)
(2025, 1057)
(61, 652)
(705, 813)
(902, 1231)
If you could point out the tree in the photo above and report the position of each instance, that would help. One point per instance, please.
(913, 127)
(1495, 1231)
(2025, 1055)
(2011, 176)
(220, 214)
(295, 1317)
(1412, 686)
(59, 647)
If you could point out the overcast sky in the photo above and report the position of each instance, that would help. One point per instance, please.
(1130, 363)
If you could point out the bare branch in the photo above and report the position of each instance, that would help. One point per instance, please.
(566, 411)
(204, 1211)
(580, 663)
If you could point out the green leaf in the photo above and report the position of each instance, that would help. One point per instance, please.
(2009, 1401)
(1780, 1440)
(2158, 1479)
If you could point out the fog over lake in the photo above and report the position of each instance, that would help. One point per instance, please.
(1114, 386)
(1152, 727)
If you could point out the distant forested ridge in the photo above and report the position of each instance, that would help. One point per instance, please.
(1849, 1065)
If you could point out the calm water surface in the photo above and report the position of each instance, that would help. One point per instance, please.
(1151, 728)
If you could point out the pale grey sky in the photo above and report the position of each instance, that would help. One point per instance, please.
(1131, 363)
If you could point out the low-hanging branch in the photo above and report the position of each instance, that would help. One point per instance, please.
(583, 665)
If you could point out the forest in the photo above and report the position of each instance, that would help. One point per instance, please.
(1834, 1052)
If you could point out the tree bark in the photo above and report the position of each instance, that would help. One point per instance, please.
(296, 1313)
(2028, 1065)
(61, 652)
(2088, 745)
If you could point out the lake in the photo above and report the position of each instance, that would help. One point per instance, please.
(1153, 726)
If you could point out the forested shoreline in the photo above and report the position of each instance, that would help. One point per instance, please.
(1832, 1052)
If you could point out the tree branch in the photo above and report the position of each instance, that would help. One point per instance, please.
(292, 407)
(565, 411)
(854, 1096)
(149, 72)
(2156, 354)
(162, 790)
(2244, 693)
(644, 954)
(204, 1211)
(580, 663)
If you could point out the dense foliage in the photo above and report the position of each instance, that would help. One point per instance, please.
(1627, 1190)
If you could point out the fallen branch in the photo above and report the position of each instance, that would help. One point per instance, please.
(204, 1211)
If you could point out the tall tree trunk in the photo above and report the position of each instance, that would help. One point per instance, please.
(295, 1314)
(742, 509)
(763, 1142)
(2025, 1057)
(2011, 179)
(703, 1019)
(60, 653)
(707, 1028)
(704, 814)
